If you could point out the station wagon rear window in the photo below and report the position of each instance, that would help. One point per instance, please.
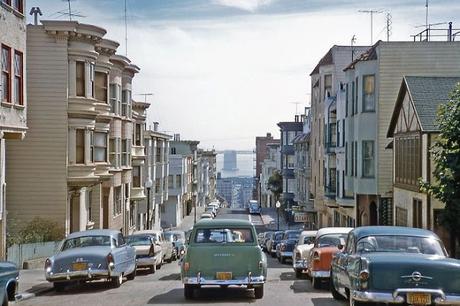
(86, 241)
(224, 235)
(138, 240)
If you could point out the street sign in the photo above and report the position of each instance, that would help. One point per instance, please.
(301, 217)
(278, 204)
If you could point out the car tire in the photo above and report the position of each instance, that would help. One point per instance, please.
(316, 282)
(160, 264)
(116, 281)
(259, 292)
(298, 273)
(335, 294)
(188, 291)
(5, 300)
(132, 275)
(59, 287)
(153, 268)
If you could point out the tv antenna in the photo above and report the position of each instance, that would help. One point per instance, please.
(389, 23)
(352, 43)
(426, 14)
(67, 12)
(371, 12)
(35, 11)
(145, 96)
(296, 106)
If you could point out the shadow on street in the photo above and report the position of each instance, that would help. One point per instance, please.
(206, 295)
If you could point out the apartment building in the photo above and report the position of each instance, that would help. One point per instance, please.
(413, 129)
(326, 80)
(75, 168)
(13, 94)
(209, 173)
(289, 130)
(261, 155)
(373, 81)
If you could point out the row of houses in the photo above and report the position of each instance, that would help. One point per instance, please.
(75, 146)
(356, 155)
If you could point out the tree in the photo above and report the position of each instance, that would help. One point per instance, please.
(275, 184)
(446, 157)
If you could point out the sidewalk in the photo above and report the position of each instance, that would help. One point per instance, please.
(32, 283)
(188, 221)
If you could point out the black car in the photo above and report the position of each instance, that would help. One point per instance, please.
(286, 246)
(274, 240)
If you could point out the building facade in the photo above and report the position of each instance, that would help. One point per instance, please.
(270, 164)
(13, 94)
(261, 155)
(82, 123)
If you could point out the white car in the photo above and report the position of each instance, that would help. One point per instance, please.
(302, 252)
(207, 215)
(166, 246)
(148, 253)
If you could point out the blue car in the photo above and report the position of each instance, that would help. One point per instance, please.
(8, 282)
(92, 255)
(254, 207)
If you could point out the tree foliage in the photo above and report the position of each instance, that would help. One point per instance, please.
(37, 230)
(446, 157)
(275, 184)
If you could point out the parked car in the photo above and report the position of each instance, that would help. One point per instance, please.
(401, 265)
(166, 246)
(177, 239)
(254, 207)
(9, 277)
(207, 215)
(273, 241)
(326, 245)
(213, 257)
(148, 253)
(91, 255)
(285, 248)
(301, 252)
(267, 236)
(215, 205)
(212, 210)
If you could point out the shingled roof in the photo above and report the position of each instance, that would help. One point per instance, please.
(427, 94)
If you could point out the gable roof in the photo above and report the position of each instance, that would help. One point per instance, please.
(426, 94)
(369, 55)
(326, 60)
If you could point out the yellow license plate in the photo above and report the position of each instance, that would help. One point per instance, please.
(79, 266)
(224, 275)
(419, 298)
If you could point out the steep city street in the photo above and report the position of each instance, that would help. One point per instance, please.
(165, 287)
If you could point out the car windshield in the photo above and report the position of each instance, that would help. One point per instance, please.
(402, 244)
(224, 235)
(255, 205)
(308, 240)
(331, 240)
(278, 236)
(292, 235)
(138, 240)
(86, 241)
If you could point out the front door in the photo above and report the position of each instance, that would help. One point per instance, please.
(105, 207)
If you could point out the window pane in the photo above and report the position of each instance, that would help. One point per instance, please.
(100, 147)
(368, 158)
(368, 93)
(136, 176)
(80, 78)
(101, 86)
(80, 146)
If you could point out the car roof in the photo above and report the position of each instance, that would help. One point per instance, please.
(365, 231)
(293, 231)
(94, 232)
(308, 233)
(333, 230)
(151, 232)
(222, 222)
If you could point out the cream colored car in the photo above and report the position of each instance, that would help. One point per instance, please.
(302, 252)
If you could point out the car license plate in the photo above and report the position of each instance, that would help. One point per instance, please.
(79, 266)
(418, 298)
(224, 275)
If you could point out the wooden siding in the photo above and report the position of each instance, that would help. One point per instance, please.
(397, 59)
(36, 172)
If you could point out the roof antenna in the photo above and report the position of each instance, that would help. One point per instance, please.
(353, 40)
(126, 29)
(371, 12)
(67, 12)
(426, 14)
(389, 22)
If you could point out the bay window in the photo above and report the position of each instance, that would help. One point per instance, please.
(80, 79)
(368, 158)
(101, 86)
(100, 147)
(368, 93)
(80, 146)
(137, 176)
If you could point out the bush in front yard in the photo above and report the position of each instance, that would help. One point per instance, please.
(37, 230)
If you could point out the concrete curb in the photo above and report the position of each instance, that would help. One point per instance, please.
(29, 295)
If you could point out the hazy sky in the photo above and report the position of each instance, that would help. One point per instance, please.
(225, 71)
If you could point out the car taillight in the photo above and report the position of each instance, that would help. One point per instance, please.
(47, 264)
(182, 252)
(316, 256)
(364, 275)
(186, 266)
(110, 258)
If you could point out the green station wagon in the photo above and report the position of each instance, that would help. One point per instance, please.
(223, 253)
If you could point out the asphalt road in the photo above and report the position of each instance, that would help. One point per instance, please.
(165, 288)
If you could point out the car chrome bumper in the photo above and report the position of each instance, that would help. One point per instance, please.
(321, 274)
(79, 275)
(398, 296)
(299, 264)
(146, 261)
(255, 280)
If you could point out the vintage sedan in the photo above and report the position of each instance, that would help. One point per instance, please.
(395, 265)
(301, 252)
(326, 245)
(214, 257)
(285, 248)
(9, 277)
(273, 241)
(166, 245)
(177, 238)
(91, 255)
(148, 253)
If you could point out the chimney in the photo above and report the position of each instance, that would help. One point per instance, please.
(296, 118)
(155, 126)
(269, 135)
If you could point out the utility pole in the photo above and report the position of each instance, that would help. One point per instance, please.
(426, 14)
(353, 40)
(126, 29)
(371, 12)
